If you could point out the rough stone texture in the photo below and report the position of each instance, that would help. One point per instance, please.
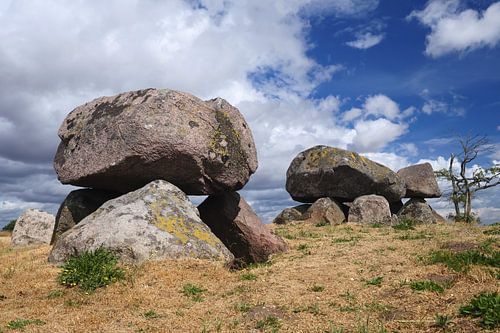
(419, 211)
(291, 214)
(323, 171)
(325, 210)
(156, 221)
(33, 227)
(232, 220)
(78, 205)
(437, 217)
(420, 181)
(370, 209)
(123, 142)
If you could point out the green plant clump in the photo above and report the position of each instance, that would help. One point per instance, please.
(405, 224)
(91, 270)
(461, 261)
(485, 306)
(376, 281)
(22, 323)
(270, 321)
(193, 291)
(426, 285)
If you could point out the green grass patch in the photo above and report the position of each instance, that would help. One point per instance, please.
(91, 270)
(322, 223)
(442, 321)
(426, 285)
(485, 306)
(304, 248)
(461, 261)
(345, 239)
(55, 294)
(313, 309)
(248, 276)
(151, 314)
(193, 291)
(20, 324)
(405, 224)
(411, 236)
(271, 322)
(376, 281)
(243, 307)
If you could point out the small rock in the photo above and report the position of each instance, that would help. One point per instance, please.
(419, 211)
(369, 209)
(420, 181)
(33, 227)
(325, 210)
(291, 214)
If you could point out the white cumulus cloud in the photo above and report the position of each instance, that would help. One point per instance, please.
(454, 29)
(366, 40)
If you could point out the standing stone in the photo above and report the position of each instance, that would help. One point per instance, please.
(291, 214)
(156, 221)
(420, 181)
(323, 171)
(231, 218)
(325, 210)
(33, 227)
(419, 211)
(369, 209)
(78, 205)
(123, 142)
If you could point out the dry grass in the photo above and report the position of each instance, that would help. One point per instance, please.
(340, 259)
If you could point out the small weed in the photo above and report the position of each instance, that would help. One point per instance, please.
(376, 225)
(405, 224)
(308, 234)
(322, 223)
(55, 294)
(283, 232)
(426, 285)
(391, 248)
(348, 308)
(485, 306)
(441, 321)
(347, 295)
(248, 277)
(270, 321)
(345, 239)
(20, 324)
(193, 291)
(409, 236)
(259, 264)
(317, 288)
(313, 309)
(73, 303)
(243, 307)
(376, 281)
(304, 248)
(150, 314)
(91, 270)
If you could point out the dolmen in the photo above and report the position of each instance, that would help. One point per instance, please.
(357, 189)
(138, 155)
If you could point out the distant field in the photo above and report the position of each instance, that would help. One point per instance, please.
(333, 279)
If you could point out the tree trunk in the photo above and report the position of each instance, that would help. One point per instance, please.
(454, 193)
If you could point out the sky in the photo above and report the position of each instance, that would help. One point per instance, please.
(396, 81)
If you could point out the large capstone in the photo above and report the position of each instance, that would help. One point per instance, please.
(156, 221)
(323, 171)
(123, 142)
(78, 205)
(420, 181)
(231, 218)
(33, 227)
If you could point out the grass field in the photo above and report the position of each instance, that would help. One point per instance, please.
(333, 279)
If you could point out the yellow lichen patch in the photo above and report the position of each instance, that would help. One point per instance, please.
(175, 226)
(205, 236)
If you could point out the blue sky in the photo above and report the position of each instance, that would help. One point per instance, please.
(394, 80)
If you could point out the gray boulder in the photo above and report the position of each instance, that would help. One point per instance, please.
(420, 181)
(78, 205)
(325, 210)
(33, 227)
(156, 221)
(369, 209)
(235, 223)
(291, 214)
(323, 171)
(419, 211)
(123, 142)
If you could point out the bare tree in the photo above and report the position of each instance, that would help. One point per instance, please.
(464, 182)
